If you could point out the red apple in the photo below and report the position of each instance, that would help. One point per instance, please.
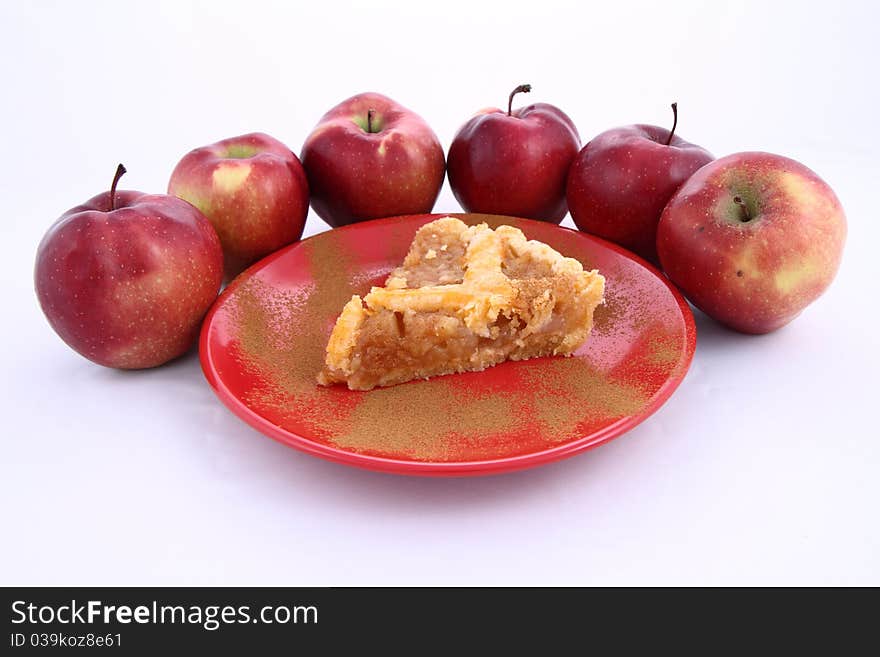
(752, 239)
(514, 162)
(126, 277)
(621, 181)
(252, 189)
(369, 157)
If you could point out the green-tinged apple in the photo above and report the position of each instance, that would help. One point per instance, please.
(514, 162)
(752, 239)
(126, 278)
(252, 189)
(370, 157)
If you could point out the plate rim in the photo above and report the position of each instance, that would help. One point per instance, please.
(443, 468)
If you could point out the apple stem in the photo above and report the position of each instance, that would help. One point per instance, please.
(674, 123)
(119, 171)
(370, 113)
(523, 88)
(747, 216)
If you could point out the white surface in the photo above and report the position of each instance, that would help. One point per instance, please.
(764, 468)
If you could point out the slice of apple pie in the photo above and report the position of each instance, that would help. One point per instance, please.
(465, 298)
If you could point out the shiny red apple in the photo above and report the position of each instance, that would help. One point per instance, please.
(126, 277)
(252, 189)
(752, 239)
(370, 157)
(514, 162)
(622, 179)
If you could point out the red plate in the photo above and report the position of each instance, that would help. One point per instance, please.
(262, 344)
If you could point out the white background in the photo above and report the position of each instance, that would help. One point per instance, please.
(764, 468)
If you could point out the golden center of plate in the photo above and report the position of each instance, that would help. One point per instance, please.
(282, 336)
